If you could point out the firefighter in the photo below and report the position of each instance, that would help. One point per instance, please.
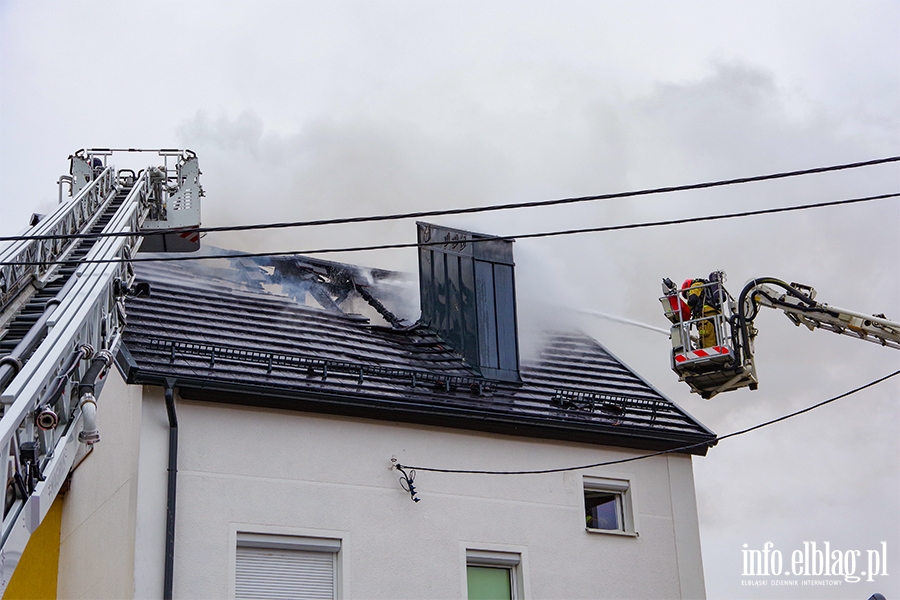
(703, 301)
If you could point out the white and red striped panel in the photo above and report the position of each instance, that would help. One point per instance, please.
(702, 353)
(191, 236)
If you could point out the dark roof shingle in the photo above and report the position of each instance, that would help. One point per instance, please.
(226, 343)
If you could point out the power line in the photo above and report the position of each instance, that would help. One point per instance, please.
(473, 209)
(523, 236)
(661, 452)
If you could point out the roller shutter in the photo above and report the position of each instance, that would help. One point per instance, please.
(286, 570)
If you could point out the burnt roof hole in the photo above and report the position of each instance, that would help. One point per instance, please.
(330, 284)
(468, 297)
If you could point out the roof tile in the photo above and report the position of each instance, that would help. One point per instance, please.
(228, 343)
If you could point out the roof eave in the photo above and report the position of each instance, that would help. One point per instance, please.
(386, 409)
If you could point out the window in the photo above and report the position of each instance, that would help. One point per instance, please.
(285, 566)
(492, 575)
(607, 505)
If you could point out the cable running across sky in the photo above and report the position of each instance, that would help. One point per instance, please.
(661, 452)
(474, 209)
(750, 213)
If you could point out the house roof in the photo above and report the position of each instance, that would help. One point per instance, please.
(245, 334)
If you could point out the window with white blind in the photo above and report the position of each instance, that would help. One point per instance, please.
(285, 566)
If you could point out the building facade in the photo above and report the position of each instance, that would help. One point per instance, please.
(294, 391)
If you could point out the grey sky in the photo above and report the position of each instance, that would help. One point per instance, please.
(306, 110)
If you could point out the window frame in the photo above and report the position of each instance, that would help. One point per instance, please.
(278, 539)
(511, 559)
(622, 489)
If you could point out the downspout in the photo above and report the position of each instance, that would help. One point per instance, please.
(170, 500)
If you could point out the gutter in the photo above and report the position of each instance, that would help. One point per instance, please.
(468, 418)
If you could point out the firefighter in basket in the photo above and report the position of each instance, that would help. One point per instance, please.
(704, 299)
(698, 301)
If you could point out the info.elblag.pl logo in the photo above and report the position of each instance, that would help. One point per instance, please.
(814, 560)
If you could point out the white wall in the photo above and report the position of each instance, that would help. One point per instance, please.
(150, 520)
(97, 547)
(274, 471)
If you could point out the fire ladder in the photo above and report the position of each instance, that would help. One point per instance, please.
(62, 315)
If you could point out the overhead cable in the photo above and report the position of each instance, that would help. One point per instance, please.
(487, 238)
(472, 209)
(661, 452)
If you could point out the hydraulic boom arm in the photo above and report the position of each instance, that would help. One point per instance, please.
(797, 301)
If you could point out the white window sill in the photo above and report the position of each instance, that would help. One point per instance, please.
(613, 532)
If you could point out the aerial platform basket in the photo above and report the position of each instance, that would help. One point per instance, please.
(705, 344)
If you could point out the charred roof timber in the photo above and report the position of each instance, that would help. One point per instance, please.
(468, 297)
(330, 283)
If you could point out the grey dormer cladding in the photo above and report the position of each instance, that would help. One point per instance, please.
(468, 297)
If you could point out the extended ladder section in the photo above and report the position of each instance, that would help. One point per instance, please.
(62, 290)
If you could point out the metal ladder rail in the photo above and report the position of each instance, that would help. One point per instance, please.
(88, 314)
(70, 217)
(29, 313)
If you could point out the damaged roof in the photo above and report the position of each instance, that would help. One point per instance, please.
(274, 333)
